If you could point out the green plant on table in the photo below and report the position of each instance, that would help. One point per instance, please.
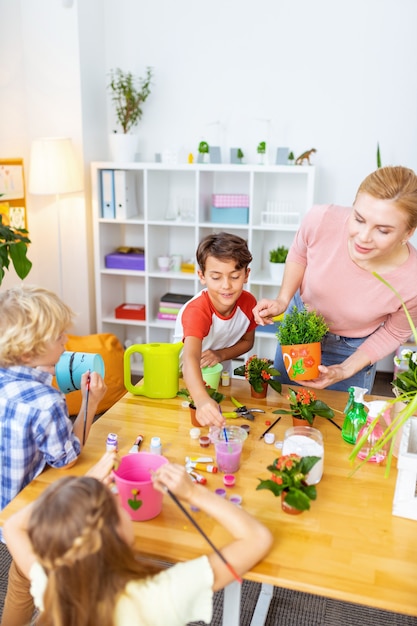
(13, 247)
(304, 404)
(278, 255)
(405, 389)
(288, 474)
(259, 371)
(128, 94)
(215, 395)
(300, 326)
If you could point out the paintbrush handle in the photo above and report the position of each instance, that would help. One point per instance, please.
(86, 406)
(270, 427)
(201, 531)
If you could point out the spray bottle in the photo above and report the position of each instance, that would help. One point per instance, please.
(376, 409)
(355, 414)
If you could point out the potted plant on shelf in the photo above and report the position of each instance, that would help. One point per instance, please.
(277, 258)
(261, 150)
(240, 155)
(203, 152)
(402, 407)
(288, 480)
(259, 372)
(184, 393)
(291, 158)
(304, 406)
(13, 247)
(128, 94)
(300, 333)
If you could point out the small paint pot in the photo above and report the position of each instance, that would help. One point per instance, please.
(279, 444)
(195, 433)
(204, 441)
(236, 499)
(246, 427)
(220, 492)
(229, 480)
(269, 438)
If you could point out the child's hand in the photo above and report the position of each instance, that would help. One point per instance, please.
(97, 386)
(208, 414)
(103, 468)
(209, 358)
(175, 478)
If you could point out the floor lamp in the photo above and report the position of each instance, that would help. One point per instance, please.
(54, 170)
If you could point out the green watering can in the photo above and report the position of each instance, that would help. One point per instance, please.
(161, 366)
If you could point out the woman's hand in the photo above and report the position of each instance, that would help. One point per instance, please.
(266, 310)
(329, 375)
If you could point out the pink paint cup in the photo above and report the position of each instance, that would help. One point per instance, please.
(134, 483)
(228, 447)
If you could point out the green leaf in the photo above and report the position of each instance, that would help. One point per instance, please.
(271, 486)
(21, 263)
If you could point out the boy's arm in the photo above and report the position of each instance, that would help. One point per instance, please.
(212, 357)
(207, 410)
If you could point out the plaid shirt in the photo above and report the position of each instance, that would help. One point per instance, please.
(35, 429)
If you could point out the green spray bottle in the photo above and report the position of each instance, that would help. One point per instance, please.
(355, 414)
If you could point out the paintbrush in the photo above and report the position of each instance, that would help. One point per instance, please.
(270, 427)
(86, 404)
(201, 531)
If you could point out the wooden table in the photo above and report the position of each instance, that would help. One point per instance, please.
(348, 547)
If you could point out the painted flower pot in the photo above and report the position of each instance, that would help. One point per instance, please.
(259, 394)
(302, 361)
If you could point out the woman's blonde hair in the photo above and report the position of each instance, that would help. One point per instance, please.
(395, 183)
(73, 529)
(30, 317)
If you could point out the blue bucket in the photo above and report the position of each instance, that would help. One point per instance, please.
(72, 365)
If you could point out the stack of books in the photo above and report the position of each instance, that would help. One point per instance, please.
(170, 304)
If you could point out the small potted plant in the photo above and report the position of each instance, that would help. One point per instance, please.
(261, 150)
(203, 151)
(215, 395)
(288, 480)
(259, 372)
(128, 94)
(300, 333)
(277, 258)
(239, 155)
(304, 406)
(13, 247)
(291, 158)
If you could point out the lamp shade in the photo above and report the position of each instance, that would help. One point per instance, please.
(53, 167)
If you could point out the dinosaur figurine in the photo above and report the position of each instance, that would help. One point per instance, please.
(305, 156)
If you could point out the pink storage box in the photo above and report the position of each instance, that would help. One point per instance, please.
(228, 200)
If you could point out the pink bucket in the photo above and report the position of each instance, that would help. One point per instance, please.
(134, 484)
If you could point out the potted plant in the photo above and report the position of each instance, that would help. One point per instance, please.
(261, 150)
(277, 258)
(258, 372)
(291, 158)
(288, 480)
(300, 333)
(128, 94)
(304, 406)
(184, 393)
(13, 247)
(203, 151)
(239, 155)
(403, 406)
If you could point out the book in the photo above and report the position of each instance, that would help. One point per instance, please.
(167, 309)
(107, 194)
(124, 194)
(166, 316)
(174, 299)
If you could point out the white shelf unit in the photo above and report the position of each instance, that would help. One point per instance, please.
(172, 215)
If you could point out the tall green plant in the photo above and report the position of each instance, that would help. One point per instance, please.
(128, 95)
(13, 246)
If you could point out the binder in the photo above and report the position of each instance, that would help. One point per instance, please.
(107, 194)
(124, 194)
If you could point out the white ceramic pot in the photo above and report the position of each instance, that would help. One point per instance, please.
(276, 271)
(123, 147)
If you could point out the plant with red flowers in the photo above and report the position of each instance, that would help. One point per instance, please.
(305, 405)
(259, 371)
(288, 475)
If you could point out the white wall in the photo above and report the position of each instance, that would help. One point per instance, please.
(337, 77)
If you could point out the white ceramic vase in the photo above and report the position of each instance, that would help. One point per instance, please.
(123, 147)
(276, 271)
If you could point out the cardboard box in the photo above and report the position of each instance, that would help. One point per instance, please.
(125, 261)
(130, 311)
(235, 215)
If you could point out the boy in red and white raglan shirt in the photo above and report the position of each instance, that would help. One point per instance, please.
(217, 324)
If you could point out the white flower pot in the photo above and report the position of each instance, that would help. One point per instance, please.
(123, 147)
(276, 271)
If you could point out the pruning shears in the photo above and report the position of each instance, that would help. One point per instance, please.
(241, 411)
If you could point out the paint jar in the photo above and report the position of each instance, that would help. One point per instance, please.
(204, 441)
(156, 447)
(195, 433)
(225, 378)
(229, 480)
(112, 443)
(269, 438)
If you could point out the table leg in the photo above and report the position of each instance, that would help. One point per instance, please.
(262, 605)
(231, 604)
